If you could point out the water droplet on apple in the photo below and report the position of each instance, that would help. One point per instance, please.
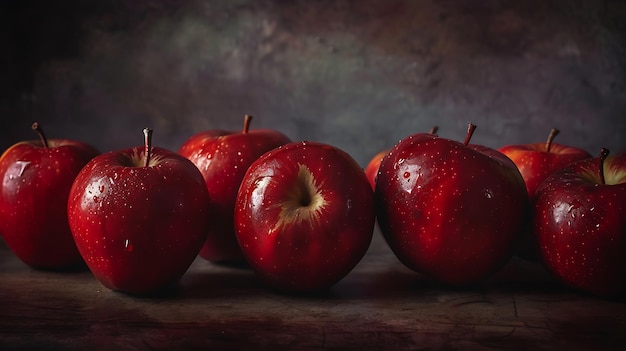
(349, 204)
(95, 199)
(128, 245)
(17, 169)
(406, 175)
(488, 193)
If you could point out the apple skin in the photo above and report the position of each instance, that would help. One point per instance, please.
(223, 158)
(304, 216)
(139, 227)
(536, 164)
(36, 181)
(580, 225)
(371, 169)
(450, 211)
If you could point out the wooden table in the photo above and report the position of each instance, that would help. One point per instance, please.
(380, 305)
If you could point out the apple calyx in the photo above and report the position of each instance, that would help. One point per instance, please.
(147, 132)
(604, 153)
(37, 128)
(246, 123)
(470, 131)
(433, 130)
(304, 200)
(553, 133)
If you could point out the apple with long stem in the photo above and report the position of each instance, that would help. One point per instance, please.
(36, 178)
(371, 169)
(449, 210)
(580, 224)
(304, 216)
(223, 158)
(139, 217)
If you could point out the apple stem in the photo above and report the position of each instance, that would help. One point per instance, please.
(553, 133)
(604, 153)
(37, 128)
(148, 142)
(470, 131)
(433, 130)
(246, 123)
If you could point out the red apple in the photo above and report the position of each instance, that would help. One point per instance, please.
(304, 216)
(139, 217)
(580, 224)
(36, 179)
(451, 211)
(537, 161)
(371, 170)
(223, 158)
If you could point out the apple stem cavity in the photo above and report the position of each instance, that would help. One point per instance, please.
(433, 130)
(37, 128)
(246, 123)
(604, 153)
(470, 131)
(147, 132)
(553, 133)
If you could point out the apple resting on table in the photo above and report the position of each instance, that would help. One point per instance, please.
(36, 179)
(580, 224)
(449, 210)
(304, 216)
(139, 217)
(223, 158)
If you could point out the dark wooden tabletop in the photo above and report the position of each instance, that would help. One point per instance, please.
(379, 305)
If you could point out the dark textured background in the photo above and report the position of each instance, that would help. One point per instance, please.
(356, 74)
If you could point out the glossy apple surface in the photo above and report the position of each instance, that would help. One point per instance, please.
(36, 181)
(537, 161)
(223, 158)
(580, 224)
(449, 210)
(139, 227)
(304, 216)
(371, 169)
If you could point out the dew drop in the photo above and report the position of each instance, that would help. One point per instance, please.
(128, 245)
(488, 193)
(406, 174)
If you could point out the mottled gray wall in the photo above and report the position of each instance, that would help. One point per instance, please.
(356, 74)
